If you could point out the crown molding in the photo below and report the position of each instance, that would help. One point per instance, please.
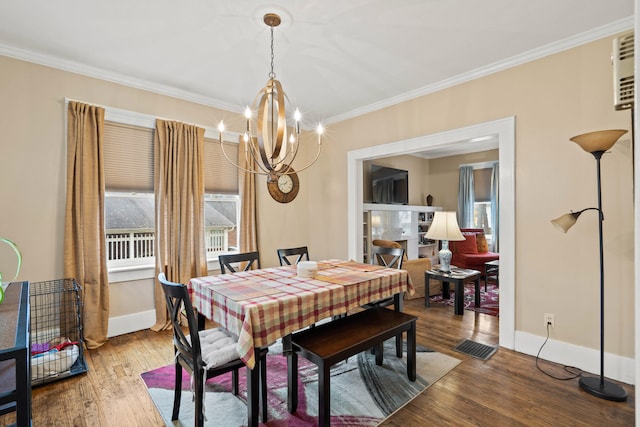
(98, 73)
(531, 55)
(528, 56)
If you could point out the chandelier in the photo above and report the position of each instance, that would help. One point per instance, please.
(271, 143)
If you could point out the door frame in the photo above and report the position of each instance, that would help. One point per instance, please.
(463, 138)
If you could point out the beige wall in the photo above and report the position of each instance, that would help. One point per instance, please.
(444, 176)
(553, 99)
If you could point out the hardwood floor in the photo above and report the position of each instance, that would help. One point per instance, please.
(506, 390)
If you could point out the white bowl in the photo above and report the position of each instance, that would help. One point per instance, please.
(307, 269)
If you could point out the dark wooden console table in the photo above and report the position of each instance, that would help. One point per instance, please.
(15, 360)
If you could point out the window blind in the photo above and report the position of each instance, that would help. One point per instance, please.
(220, 176)
(482, 185)
(128, 161)
(128, 157)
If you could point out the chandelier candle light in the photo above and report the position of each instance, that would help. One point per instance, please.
(596, 143)
(268, 150)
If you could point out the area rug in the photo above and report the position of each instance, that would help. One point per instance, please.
(362, 394)
(489, 300)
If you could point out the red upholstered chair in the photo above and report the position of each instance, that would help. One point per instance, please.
(472, 252)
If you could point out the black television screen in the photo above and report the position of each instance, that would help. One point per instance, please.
(389, 185)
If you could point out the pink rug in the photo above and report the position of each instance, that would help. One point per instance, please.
(362, 394)
(489, 300)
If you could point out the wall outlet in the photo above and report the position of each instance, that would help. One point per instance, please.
(549, 320)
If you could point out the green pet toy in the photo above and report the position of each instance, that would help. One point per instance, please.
(19, 255)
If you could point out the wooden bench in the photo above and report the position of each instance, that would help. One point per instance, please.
(340, 339)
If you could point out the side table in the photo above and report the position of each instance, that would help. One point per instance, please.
(457, 276)
(491, 270)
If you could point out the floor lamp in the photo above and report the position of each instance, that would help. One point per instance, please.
(596, 143)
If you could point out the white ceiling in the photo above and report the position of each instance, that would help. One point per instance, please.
(335, 58)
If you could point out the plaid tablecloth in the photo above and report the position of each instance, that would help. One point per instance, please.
(260, 306)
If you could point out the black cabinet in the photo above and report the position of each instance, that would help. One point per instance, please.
(15, 361)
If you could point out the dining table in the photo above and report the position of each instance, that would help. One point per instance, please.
(264, 305)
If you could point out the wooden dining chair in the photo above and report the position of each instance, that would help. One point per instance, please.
(390, 258)
(250, 258)
(296, 254)
(205, 354)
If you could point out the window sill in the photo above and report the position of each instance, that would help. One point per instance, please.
(131, 273)
(142, 272)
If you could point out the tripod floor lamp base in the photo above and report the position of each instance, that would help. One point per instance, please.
(603, 389)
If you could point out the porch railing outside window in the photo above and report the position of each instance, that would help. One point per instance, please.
(216, 240)
(129, 247)
(135, 247)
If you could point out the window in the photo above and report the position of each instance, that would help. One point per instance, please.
(221, 202)
(129, 199)
(482, 203)
(221, 216)
(482, 218)
(130, 228)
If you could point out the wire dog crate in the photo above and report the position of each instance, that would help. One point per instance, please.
(57, 349)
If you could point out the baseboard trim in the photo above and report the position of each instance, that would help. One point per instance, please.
(131, 323)
(616, 367)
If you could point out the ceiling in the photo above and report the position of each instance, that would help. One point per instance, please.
(335, 59)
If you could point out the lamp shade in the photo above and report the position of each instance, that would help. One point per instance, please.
(566, 221)
(444, 227)
(600, 140)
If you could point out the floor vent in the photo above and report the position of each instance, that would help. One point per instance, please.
(475, 349)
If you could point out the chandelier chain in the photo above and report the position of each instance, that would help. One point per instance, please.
(272, 74)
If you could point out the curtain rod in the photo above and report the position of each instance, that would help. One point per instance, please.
(134, 118)
(482, 165)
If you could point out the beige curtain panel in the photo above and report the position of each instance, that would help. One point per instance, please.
(85, 257)
(247, 184)
(179, 196)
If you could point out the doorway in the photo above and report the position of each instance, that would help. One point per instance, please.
(467, 139)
